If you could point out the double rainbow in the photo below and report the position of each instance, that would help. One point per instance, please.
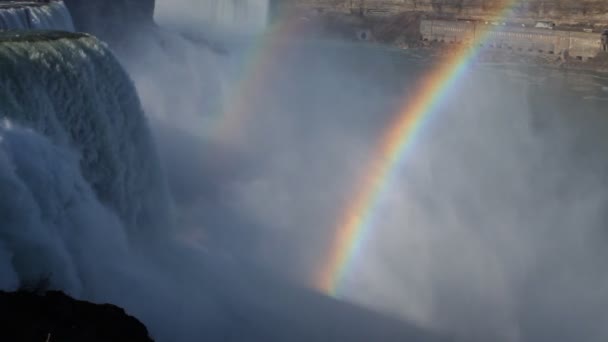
(356, 220)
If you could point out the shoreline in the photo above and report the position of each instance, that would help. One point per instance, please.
(597, 65)
(402, 32)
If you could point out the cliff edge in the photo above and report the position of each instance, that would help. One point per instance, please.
(560, 11)
(53, 316)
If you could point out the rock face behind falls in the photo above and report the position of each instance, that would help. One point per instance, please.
(567, 11)
(71, 89)
(56, 317)
(111, 20)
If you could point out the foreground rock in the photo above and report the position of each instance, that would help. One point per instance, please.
(54, 316)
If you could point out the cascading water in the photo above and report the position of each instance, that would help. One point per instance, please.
(52, 223)
(70, 88)
(35, 16)
(242, 16)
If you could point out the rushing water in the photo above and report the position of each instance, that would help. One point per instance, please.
(48, 16)
(77, 160)
(240, 16)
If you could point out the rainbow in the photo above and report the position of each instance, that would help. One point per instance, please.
(356, 220)
(257, 75)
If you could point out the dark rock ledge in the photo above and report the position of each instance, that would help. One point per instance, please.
(53, 316)
(38, 36)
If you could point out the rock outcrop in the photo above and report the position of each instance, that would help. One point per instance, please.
(560, 11)
(27, 316)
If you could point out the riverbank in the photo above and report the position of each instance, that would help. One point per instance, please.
(598, 64)
(403, 31)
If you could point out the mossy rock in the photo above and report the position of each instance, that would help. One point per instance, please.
(20, 36)
(21, 4)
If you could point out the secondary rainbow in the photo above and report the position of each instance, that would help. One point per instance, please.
(257, 75)
(356, 220)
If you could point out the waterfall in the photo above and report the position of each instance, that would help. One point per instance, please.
(35, 16)
(52, 223)
(70, 88)
(248, 15)
(243, 16)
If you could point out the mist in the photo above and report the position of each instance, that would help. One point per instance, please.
(493, 229)
(215, 16)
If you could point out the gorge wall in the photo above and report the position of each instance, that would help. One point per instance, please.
(560, 11)
(111, 20)
(582, 45)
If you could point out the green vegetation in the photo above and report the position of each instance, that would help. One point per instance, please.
(38, 36)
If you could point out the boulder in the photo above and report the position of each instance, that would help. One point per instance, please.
(53, 316)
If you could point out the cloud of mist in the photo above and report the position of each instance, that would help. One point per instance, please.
(492, 230)
(191, 267)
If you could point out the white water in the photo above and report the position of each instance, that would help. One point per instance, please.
(82, 196)
(77, 94)
(243, 16)
(51, 16)
(52, 223)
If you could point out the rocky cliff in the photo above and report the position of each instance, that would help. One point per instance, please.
(27, 316)
(561, 11)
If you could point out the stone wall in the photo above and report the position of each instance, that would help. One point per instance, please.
(518, 39)
(560, 11)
